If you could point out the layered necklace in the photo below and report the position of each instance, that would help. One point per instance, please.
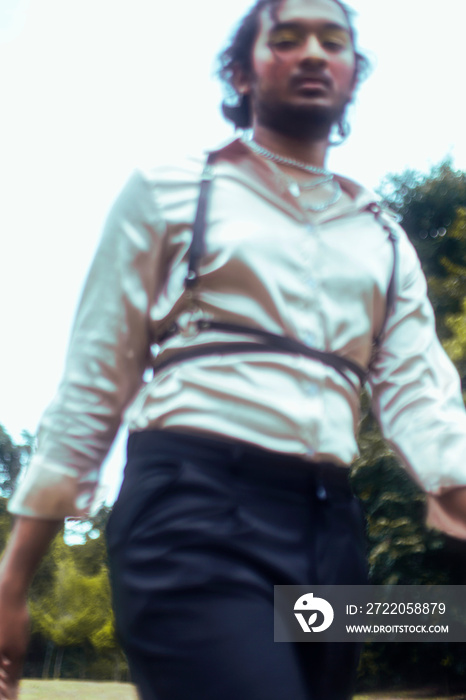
(293, 186)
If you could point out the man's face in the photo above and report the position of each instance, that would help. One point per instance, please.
(303, 67)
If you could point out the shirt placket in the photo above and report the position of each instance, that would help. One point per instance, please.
(311, 332)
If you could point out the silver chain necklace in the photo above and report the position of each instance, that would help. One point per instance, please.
(295, 187)
(287, 161)
(330, 201)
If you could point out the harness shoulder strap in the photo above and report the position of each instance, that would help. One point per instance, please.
(384, 221)
(196, 249)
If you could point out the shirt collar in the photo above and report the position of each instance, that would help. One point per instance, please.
(235, 151)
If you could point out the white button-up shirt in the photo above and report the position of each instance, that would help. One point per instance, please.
(269, 263)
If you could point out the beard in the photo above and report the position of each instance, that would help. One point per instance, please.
(298, 121)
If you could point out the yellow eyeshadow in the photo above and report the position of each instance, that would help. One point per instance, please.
(335, 37)
(283, 36)
(296, 37)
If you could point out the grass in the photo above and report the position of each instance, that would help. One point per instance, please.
(75, 690)
(80, 690)
(408, 696)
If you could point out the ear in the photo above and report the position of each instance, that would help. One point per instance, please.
(241, 80)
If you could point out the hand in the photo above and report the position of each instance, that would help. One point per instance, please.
(14, 639)
(28, 542)
(448, 512)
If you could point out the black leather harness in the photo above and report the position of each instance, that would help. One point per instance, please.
(264, 340)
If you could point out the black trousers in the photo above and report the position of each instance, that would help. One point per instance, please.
(201, 532)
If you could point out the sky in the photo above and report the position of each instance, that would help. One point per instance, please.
(90, 89)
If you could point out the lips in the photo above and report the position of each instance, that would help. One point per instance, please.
(311, 82)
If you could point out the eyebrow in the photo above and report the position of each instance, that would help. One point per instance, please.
(299, 25)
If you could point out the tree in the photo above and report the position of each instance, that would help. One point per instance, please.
(12, 459)
(70, 595)
(91, 554)
(75, 609)
(455, 286)
(433, 214)
(5, 523)
(428, 205)
(432, 211)
(400, 549)
(456, 345)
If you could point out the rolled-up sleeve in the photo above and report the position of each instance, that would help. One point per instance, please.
(105, 363)
(416, 389)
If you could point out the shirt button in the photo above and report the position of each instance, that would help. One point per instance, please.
(310, 338)
(311, 389)
(310, 452)
(311, 283)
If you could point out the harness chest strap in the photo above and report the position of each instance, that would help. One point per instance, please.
(264, 340)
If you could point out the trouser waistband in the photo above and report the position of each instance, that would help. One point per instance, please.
(250, 462)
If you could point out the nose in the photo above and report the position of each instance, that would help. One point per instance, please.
(313, 49)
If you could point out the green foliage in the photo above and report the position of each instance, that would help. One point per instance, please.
(455, 285)
(75, 607)
(91, 554)
(432, 208)
(12, 458)
(70, 605)
(428, 205)
(401, 550)
(448, 290)
(433, 212)
(70, 600)
(456, 346)
(5, 523)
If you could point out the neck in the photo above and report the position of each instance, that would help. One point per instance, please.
(311, 151)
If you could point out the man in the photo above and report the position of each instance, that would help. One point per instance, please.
(265, 290)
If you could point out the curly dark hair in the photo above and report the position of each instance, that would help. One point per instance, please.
(239, 53)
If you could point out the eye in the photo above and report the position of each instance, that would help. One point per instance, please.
(335, 41)
(333, 46)
(285, 39)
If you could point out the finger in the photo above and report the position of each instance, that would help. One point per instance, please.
(5, 684)
(8, 678)
(8, 691)
(5, 668)
(4, 693)
(10, 666)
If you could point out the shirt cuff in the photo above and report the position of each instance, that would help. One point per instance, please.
(53, 492)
